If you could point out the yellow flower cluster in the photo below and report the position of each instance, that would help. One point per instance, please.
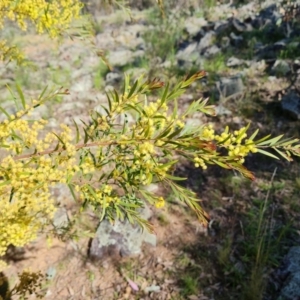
(208, 133)
(139, 165)
(160, 202)
(52, 17)
(8, 53)
(25, 198)
(118, 107)
(18, 135)
(22, 215)
(237, 144)
(161, 170)
(87, 165)
(148, 121)
(199, 162)
(102, 196)
(102, 124)
(144, 163)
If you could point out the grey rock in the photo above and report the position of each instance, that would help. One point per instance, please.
(51, 272)
(291, 290)
(135, 73)
(221, 110)
(280, 45)
(209, 26)
(290, 272)
(267, 52)
(121, 58)
(223, 27)
(269, 11)
(120, 239)
(211, 51)
(207, 41)
(239, 26)
(293, 259)
(152, 188)
(280, 68)
(190, 53)
(233, 62)
(296, 66)
(193, 24)
(291, 104)
(82, 84)
(189, 57)
(61, 220)
(131, 37)
(257, 66)
(69, 106)
(230, 86)
(113, 78)
(225, 42)
(152, 288)
(236, 40)
(258, 46)
(109, 88)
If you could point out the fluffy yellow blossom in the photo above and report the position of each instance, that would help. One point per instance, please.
(160, 202)
(53, 17)
(199, 162)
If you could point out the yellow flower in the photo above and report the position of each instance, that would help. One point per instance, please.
(160, 202)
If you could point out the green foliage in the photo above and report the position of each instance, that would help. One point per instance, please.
(132, 143)
(99, 76)
(162, 38)
(257, 247)
(138, 138)
(30, 283)
(190, 285)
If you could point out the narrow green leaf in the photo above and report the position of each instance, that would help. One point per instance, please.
(175, 94)
(21, 95)
(59, 138)
(175, 177)
(243, 170)
(134, 108)
(109, 101)
(266, 153)
(175, 109)
(116, 96)
(176, 132)
(262, 141)
(106, 110)
(242, 132)
(103, 209)
(274, 140)
(86, 136)
(72, 191)
(149, 178)
(15, 136)
(132, 90)
(252, 137)
(288, 142)
(164, 96)
(5, 112)
(13, 96)
(165, 132)
(126, 83)
(77, 132)
(11, 194)
(221, 164)
(42, 93)
(5, 182)
(283, 154)
(168, 164)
